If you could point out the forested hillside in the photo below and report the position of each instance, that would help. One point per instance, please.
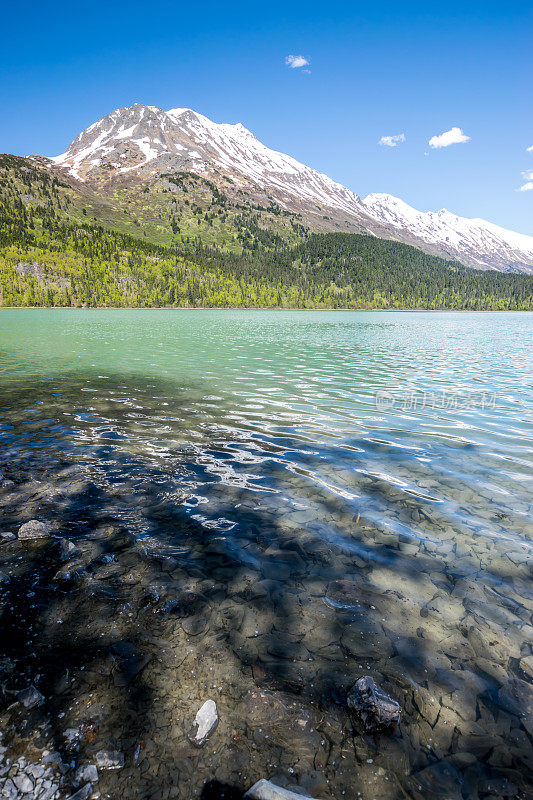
(59, 247)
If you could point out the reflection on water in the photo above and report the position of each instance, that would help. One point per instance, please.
(319, 536)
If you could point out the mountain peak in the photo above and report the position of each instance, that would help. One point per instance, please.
(142, 142)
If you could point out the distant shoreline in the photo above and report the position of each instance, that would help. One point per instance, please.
(268, 308)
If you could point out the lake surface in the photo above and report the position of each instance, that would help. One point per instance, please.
(336, 494)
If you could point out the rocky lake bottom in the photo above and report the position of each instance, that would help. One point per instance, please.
(183, 556)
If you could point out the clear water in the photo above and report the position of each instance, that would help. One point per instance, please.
(357, 484)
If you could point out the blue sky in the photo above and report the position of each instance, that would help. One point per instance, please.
(375, 70)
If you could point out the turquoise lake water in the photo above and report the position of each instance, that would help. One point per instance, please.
(372, 470)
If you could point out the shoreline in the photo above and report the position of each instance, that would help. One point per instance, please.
(271, 308)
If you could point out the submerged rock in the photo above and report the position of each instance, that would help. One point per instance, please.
(68, 550)
(265, 790)
(30, 697)
(34, 530)
(83, 793)
(205, 722)
(110, 759)
(372, 710)
(88, 774)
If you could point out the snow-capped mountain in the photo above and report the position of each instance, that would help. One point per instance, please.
(148, 141)
(475, 242)
(142, 142)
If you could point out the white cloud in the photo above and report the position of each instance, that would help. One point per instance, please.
(453, 136)
(530, 149)
(527, 176)
(392, 141)
(294, 62)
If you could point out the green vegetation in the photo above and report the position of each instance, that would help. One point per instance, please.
(188, 242)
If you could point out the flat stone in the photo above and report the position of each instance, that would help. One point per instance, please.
(30, 697)
(205, 722)
(266, 790)
(110, 759)
(372, 710)
(516, 697)
(193, 625)
(34, 530)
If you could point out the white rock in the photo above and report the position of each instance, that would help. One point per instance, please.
(265, 790)
(205, 722)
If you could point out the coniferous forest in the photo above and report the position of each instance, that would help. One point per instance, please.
(61, 248)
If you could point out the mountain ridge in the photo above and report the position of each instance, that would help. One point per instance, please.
(140, 143)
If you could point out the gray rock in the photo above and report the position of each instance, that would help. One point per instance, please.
(68, 550)
(83, 793)
(372, 710)
(49, 792)
(88, 773)
(34, 530)
(193, 625)
(265, 790)
(35, 770)
(3, 577)
(526, 665)
(68, 574)
(71, 735)
(110, 759)
(7, 536)
(205, 722)
(30, 697)
(9, 790)
(23, 783)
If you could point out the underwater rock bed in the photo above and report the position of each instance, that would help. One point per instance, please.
(123, 639)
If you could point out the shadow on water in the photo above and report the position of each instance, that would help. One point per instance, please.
(274, 617)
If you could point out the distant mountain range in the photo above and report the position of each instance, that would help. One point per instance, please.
(131, 149)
